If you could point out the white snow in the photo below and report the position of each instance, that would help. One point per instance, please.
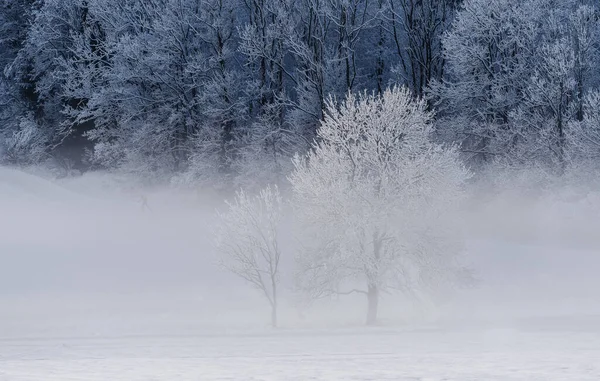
(378, 354)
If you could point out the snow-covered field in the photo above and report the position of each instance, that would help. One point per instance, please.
(560, 353)
(109, 291)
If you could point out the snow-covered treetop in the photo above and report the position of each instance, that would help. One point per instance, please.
(376, 194)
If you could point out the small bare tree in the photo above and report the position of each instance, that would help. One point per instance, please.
(248, 241)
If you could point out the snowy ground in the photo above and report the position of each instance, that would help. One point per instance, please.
(108, 291)
(380, 354)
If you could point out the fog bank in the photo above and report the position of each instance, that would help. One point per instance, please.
(90, 256)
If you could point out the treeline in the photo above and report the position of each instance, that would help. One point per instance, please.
(226, 91)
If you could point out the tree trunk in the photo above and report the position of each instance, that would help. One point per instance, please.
(274, 315)
(274, 301)
(373, 301)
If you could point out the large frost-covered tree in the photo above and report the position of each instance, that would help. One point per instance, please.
(416, 28)
(583, 137)
(35, 74)
(487, 68)
(16, 97)
(376, 197)
(63, 40)
(517, 73)
(169, 82)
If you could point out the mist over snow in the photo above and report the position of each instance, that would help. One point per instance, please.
(91, 271)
